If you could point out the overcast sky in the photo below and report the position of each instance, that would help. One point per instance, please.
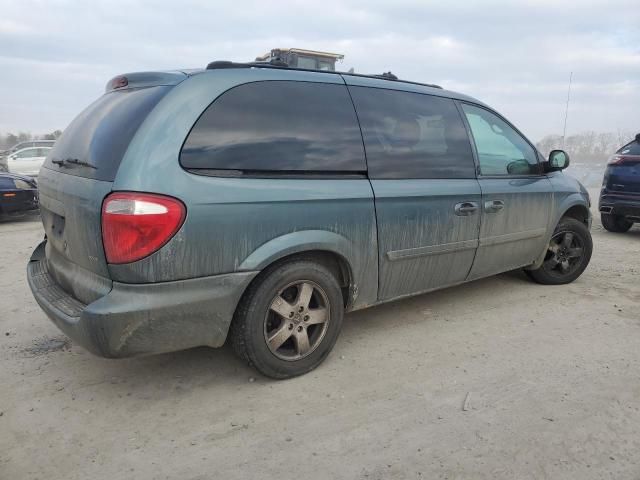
(56, 56)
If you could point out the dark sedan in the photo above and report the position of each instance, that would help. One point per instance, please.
(18, 194)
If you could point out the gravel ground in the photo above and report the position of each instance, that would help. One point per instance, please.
(499, 378)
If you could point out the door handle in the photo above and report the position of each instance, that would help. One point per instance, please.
(466, 208)
(493, 206)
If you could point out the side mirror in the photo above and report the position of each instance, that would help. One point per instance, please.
(558, 160)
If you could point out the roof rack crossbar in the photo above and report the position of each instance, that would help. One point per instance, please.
(281, 65)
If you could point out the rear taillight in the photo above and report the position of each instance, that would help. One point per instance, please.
(135, 225)
(616, 159)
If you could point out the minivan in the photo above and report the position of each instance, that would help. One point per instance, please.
(256, 204)
(620, 194)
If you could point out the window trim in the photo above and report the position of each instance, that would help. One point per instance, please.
(280, 174)
(277, 174)
(476, 157)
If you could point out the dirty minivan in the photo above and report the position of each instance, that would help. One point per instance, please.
(256, 204)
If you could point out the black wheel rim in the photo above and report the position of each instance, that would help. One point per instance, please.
(564, 254)
(297, 320)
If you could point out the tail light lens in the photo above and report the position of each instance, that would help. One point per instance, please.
(615, 160)
(134, 225)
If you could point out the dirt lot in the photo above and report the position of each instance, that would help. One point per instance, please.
(550, 377)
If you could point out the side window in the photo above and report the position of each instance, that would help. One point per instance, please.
(27, 153)
(412, 135)
(277, 126)
(306, 62)
(501, 150)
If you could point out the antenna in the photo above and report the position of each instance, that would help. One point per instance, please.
(566, 111)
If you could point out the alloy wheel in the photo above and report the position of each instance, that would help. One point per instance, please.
(297, 320)
(564, 254)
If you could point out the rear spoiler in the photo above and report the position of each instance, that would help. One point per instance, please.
(144, 79)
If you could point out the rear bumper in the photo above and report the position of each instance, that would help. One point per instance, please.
(18, 205)
(140, 319)
(625, 205)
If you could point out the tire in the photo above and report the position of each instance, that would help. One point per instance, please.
(275, 308)
(615, 223)
(570, 245)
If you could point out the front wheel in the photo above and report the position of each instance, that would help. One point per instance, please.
(615, 223)
(289, 319)
(568, 254)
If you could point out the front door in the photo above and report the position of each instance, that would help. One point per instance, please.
(516, 197)
(427, 198)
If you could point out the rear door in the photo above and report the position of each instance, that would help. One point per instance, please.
(42, 153)
(79, 172)
(427, 198)
(516, 197)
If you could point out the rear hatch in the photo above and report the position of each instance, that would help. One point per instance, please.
(77, 175)
(623, 171)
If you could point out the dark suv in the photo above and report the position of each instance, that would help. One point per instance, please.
(620, 194)
(259, 203)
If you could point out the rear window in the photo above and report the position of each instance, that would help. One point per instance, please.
(277, 126)
(412, 135)
(98, 138)
(632, 148)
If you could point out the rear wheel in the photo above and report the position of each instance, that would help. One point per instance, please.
(615, 223)
(568, 254)
(289, 319)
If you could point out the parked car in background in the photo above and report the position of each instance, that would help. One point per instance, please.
(237, 201)
(18, 194)
(19, 146)
(620, 194)
(28, 144)
(27, 161)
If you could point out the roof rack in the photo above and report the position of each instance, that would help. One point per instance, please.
(280, 65)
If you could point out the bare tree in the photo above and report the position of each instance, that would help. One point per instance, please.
(587, 147)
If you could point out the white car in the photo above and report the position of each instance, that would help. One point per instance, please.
(28, 160)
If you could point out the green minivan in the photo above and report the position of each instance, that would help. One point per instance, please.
(256, 204)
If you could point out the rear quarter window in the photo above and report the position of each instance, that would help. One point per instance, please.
(100, 135)
(277, 126)
(632, 148)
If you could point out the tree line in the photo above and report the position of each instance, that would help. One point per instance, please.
(587, 147)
